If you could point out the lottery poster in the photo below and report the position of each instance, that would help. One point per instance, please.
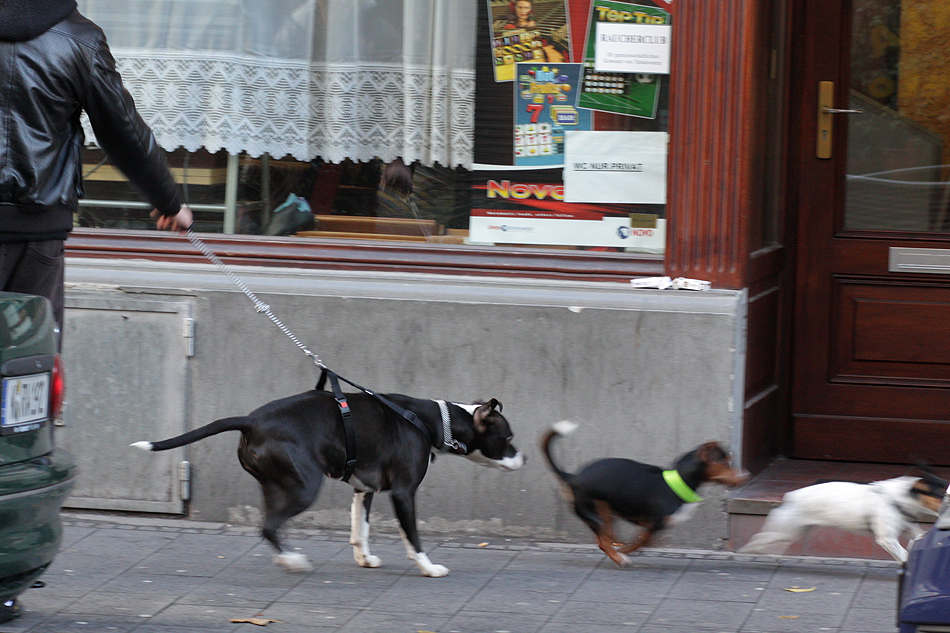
(526, 206)
(527, 31)
(546, 108)
(626, 55)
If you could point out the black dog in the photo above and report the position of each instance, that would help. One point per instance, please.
(290, 444)
(640, 493)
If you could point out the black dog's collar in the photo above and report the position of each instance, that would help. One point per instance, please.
(448, 442)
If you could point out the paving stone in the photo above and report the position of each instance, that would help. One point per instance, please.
(701, 614)
(493, 622)
(792, 620)
(860, 620)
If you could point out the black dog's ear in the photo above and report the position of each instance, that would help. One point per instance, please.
(483, 412)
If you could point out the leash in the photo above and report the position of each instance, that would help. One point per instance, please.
(259, 305)
(447, 443)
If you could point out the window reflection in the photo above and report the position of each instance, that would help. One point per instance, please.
(898, 170)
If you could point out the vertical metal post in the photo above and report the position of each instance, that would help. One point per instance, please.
(230, 194)
(265, 189)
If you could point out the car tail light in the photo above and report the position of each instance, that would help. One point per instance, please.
(57, 390)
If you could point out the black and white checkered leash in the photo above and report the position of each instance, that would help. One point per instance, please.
(259, 305)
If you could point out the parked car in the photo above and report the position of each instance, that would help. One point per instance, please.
(35, 476)
(924, 593)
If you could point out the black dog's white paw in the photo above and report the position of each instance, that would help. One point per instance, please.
(292, 561)
(368, 560)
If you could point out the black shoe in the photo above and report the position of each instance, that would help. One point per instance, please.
(9, 610)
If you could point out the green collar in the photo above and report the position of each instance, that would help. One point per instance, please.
(677, 485)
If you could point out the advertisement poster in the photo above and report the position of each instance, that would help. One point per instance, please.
(616, 167)
(546, 108)
(626, 55)
(527, 31)
(527, 206)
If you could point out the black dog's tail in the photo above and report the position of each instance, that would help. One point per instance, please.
(218, 426)
(558, 429)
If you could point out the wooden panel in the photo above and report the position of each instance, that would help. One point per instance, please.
(352, 235)
(761, 341)
(196, 175)
(902, 331)
(872, 440)
(892, 333)
(390, 226)
(765, 426)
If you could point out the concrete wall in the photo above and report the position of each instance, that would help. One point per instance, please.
(647, 374)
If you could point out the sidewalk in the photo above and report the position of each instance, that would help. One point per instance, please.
(162, 576)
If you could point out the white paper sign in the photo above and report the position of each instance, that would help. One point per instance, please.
(626, 167)
(633, 48)
(610, 231)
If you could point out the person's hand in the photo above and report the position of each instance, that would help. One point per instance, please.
(181, 221)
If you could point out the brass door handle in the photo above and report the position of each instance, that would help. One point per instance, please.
(826, 102)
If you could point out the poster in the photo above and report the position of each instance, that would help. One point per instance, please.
(518, 195)
(527, 31)
(546, 108)
(626, 55)
(513, 205)
(616, 167)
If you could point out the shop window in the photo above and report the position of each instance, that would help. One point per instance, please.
(566, 153)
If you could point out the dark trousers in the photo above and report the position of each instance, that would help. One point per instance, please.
(34, 268)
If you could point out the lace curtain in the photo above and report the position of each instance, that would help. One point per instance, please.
(337, 79)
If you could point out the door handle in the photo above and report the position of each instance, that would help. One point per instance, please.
(826, 102)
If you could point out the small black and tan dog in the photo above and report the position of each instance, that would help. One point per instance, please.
(290, 445)
(645, 495)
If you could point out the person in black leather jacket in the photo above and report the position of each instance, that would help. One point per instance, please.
(54, 64)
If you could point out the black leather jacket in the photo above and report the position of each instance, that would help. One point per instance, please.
(45, 82)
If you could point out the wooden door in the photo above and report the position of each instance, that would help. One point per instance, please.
(871, 344)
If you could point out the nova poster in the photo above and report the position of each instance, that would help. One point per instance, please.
(512, 205)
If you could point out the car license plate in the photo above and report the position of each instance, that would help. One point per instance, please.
(25, 400)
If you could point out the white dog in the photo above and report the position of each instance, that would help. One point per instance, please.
(885, 508)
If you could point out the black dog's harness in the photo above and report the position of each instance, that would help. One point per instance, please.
(447, 443)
